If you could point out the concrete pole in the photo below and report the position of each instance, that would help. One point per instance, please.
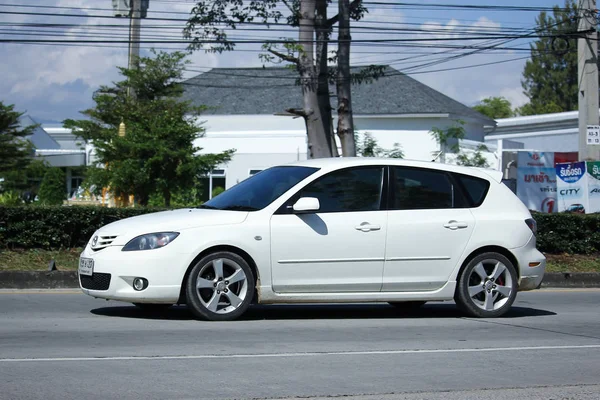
(587, 61)
(135, 19)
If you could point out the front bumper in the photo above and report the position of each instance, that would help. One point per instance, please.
(115, 270)
(530, 277)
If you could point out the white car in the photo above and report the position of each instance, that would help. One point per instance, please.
(327, 230)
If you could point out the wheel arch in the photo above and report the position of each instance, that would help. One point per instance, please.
(214, 249)
(490, 249)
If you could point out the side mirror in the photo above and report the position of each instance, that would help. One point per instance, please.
(306, 204)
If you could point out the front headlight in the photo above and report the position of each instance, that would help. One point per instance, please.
(150, 241)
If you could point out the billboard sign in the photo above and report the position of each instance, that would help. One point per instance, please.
(572, 187)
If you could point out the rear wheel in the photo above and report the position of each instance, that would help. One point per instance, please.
(487, 287)
(220, 287)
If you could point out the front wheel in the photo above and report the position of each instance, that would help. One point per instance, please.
(487, 287)
(220, 287)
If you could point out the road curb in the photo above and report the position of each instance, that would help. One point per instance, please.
(39, 280)
(69, 280)
(571, 280)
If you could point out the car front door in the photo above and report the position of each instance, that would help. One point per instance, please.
(340, 247)
(428, 229)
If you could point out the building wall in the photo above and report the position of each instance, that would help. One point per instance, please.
(240, 166)
(262, 141)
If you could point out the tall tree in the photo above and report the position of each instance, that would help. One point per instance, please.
(15, 149)
(495, 107)
(345, 117)
(209, 21)
(157, 154)
(550, 76)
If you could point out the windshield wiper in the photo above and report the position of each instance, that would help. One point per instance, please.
(239, 208)
(208, 207)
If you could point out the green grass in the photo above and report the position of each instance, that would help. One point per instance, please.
(573, 263)
(37, 260)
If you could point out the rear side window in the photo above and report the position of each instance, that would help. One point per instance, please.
(422, 189)
(476, 188)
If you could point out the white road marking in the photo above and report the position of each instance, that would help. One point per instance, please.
(308, 354)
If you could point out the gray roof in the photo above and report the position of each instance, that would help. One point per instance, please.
(39, 138)
(273, 90)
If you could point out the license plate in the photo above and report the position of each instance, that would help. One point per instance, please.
(86, 266)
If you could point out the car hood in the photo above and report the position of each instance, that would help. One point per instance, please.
(168, 221)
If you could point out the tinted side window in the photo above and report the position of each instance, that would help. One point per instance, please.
(417, 189)
(475, 188)
(354, 189)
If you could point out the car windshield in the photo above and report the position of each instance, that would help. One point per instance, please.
(260, 190)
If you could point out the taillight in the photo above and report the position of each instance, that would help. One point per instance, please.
(532, 225)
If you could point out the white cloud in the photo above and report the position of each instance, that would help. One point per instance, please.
(57, 82)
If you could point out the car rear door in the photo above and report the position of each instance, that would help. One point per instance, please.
(428, 229)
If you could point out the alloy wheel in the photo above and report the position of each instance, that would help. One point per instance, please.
(221, 285)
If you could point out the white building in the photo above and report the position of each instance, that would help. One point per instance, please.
(247, 112)
(558, 132)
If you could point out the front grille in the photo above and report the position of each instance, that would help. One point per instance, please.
(98, 281)
(103, 242)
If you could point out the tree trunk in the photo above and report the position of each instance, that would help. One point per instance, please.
(142, 199)
(344, 85)
(167, 197)
(323, 36)
(318, 146)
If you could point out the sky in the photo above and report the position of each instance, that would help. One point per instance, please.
(53, 81)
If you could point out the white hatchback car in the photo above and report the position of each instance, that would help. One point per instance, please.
(327, 230)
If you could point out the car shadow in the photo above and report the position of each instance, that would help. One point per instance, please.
(317, 312)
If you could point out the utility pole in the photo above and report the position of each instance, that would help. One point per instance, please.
(587, 62)
(135, 18)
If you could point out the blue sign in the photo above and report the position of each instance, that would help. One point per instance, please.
(570, 172)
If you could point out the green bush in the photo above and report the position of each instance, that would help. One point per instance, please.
(10, 198)
(53, 190)
(568, 233)
(53, 227)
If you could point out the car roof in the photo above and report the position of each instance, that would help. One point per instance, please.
(334, 163)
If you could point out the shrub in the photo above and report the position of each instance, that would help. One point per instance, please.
(53, 189)
(53, 227)
(10, 198)
(568, 233)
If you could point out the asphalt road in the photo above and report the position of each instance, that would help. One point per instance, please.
(63, 345)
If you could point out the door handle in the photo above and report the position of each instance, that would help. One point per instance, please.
(367, 227)
(456, 225)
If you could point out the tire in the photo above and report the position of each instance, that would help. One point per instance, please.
(220, 287)
(407, 305)
(487, 286)
(154, 307)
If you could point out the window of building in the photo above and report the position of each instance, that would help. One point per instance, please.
(212, 184)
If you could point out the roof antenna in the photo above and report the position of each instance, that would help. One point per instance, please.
(437, 156)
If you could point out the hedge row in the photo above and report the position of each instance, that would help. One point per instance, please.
(568, 233)
(55, 227)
